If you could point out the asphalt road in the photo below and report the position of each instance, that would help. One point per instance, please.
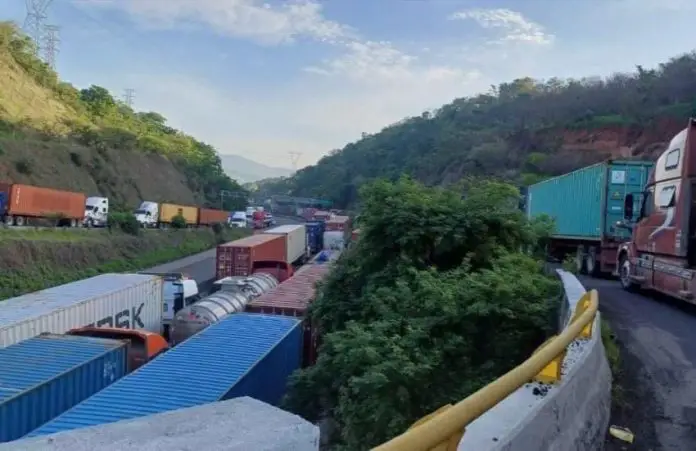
(201, 267)
(657, 337)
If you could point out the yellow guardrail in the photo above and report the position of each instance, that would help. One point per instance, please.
(443, 429)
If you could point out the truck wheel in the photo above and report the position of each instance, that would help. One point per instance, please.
(580, 264)
(625, 273)
(9, 220)
(19, 221)
(591, 262)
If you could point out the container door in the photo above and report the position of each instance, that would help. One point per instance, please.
(623, 179)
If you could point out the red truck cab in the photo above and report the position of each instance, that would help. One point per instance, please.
(662, 252)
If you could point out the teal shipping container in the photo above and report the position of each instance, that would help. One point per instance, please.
(587, 203)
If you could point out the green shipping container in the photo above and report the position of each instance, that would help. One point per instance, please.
(587, 203)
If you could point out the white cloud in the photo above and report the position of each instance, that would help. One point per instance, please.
(513, 25)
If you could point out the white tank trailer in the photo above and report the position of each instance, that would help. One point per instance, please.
(231, 295)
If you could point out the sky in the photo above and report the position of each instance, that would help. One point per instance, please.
(262, 79)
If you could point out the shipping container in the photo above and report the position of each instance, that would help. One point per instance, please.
(315, 236)
(334, 240)
(209, 216)
(321, 215)
(242, 355)
(338, 223)
(292, 298)
(586, 205)
(168, 211)
(240, 257)
(26, 201)
(42, 377)
(355, 234)
(295, 241)
(113, 300)
(232, 297)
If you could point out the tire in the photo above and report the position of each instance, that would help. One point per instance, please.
(624, 272)
(591, 262)
(580, 263)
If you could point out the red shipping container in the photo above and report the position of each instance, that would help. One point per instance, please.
(321, 215)
(338, 223)
(292, 298)
(356, 233)
(37, 202)
(238, 258)
(209, 216)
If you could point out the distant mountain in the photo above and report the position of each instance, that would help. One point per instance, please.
(244, 170)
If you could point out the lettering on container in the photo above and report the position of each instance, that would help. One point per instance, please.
(125, 319)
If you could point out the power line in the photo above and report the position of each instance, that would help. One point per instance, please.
(294, 159)
(128, 96)
(34, 21)
(50, 47)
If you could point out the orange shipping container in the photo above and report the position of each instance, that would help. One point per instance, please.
(238, 258)
(209, 216)
(292, 298)
(37, 202)
(338, 223)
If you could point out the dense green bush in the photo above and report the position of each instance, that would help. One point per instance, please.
(433, 301)
(178, 222)
(124, 222)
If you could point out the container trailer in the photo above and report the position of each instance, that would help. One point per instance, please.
(292, 298)
(209, 216)
(20, 204)
(295, 241)
(242, 355)
(315, 236)
(168, 211)
(256, 253)
(229, 295)
(661, 254)
(586, 205)
(334, 239)
(131, 301)
(44, 376)
(338, 223)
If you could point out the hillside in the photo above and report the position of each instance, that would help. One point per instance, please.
(523, 131)
(54, 135)
(244, 170)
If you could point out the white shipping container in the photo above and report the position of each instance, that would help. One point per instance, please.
(108, 300)
(334, 239)
(296, 241)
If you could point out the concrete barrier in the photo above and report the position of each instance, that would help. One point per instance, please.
(570, 415)
(240, 424)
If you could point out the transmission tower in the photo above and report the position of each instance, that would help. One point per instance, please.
(294, 158)
(50, 44)
(128, 96)
(34, 21)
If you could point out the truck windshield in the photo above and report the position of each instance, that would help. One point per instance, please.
(139, 212)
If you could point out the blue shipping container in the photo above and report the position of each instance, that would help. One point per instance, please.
(44, 376)
(315, 235)
(587, 203)
(243, 355)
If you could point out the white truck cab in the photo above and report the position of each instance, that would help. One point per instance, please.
(96, 211)
(179, 291)
(147, 214)
(238, 219)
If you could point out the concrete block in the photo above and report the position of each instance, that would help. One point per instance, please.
(240, 424)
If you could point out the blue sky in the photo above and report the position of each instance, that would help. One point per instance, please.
(264, 78)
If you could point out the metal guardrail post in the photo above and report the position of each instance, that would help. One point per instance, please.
(435, 431)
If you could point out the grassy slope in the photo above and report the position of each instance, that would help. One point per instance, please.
(38, 259)
(124, 176)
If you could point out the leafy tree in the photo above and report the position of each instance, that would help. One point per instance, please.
(178, 222)
(435, 300)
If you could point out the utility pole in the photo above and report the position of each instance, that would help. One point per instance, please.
(294, 158)
(128, 96)
(34, 21)
(50, 47)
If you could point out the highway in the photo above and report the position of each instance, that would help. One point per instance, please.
(657, 337)
(201, 267)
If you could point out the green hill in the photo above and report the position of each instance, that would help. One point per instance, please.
(53, 134)
(521, 131)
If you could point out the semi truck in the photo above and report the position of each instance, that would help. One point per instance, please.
(256, 253)
(661, 254)
(160, 215)
(586, 205)
(96, 211)
(23, 204)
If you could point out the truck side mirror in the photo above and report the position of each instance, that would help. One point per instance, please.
(628, 207)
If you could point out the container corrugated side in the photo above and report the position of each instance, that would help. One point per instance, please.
(209, 216)
(44, 376)
(237, 258)
(295, 242)
(574, 200)
(28, 200)
(242, 355)
(624, 177)
(113, 300)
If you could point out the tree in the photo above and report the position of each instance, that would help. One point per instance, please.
(434, 300)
